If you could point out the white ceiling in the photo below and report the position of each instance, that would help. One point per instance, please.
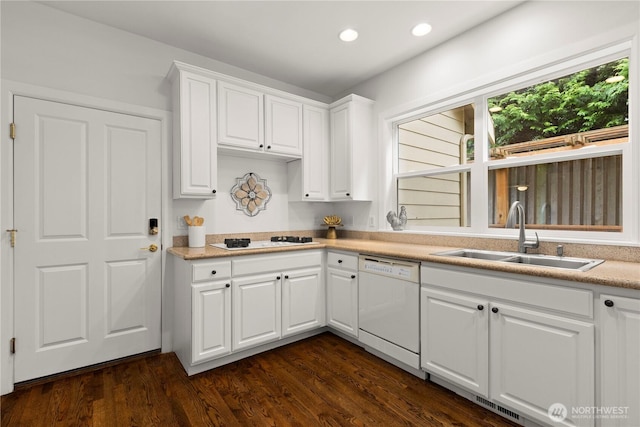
(295, 41)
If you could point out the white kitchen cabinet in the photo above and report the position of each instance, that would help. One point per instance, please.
(303, 300)
(194, 133)
(342, 292)
(539, 359)
(202, 310)
(620, 359)
(283, 126)
(309, 177)
(353, 151)
(240, 117)
(522, 345)
(211, 313)
(258, 296)
(455, 338)
(256, 310)
(251, 121)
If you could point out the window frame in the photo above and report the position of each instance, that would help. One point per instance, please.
(479, 169)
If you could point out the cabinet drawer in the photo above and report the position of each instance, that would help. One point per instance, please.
(204, 271)
(342, 260)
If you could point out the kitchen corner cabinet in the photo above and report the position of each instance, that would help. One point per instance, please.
(342, 292)
(620, 358)
(194, 134)
(309, 177)
(352, 149)
(202, 310)
(520, 344)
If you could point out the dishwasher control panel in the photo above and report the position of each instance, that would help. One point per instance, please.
(405, 270)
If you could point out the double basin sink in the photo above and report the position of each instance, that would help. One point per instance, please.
(575, 264)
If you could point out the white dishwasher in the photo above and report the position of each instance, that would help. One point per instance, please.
(389, 307)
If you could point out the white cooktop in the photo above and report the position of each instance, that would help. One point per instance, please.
(262, 244)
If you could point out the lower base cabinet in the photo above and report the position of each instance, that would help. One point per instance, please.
(342, 292)
(211, 313)
(225, 306)
(256, 310)
(525, 359)
(303, 301)
(620, 360)
(455, 338)
(539, 360)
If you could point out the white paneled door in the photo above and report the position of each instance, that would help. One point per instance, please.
(87, 285)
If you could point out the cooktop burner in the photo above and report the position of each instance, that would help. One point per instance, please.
(291, 239)
(275, 241)
(237, 243)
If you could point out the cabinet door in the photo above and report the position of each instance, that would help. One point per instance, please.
(283, 126)
(302, 301)
(240, 117)
(620, 363)
(538, 360)
(340, 153)
(342, 300)
(211, 317)
(315, 148)
(256, 310)
(455, 338)
(195, 149)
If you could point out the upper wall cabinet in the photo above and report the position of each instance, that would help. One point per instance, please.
(283, 125)
(194, 134)
(252, 121)
(309, 177)
(240, 117)
(352, 149)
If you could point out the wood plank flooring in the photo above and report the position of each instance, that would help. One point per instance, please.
(321, 381)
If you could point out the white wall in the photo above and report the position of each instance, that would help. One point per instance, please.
(533, 34)
(222, 217)
(45, 47)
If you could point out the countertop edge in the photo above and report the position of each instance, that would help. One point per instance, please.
(618, 274)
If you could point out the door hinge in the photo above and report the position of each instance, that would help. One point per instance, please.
(12, 131)
(13, 232)
(12, 346)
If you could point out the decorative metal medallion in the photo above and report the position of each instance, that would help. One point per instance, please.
(251, 194)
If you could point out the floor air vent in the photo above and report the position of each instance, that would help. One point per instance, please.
(498, 408)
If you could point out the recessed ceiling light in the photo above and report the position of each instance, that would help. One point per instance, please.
(348, 35)
(421, 29)
(615, 79)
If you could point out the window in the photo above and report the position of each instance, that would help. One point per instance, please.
(583, 194)
(558, 145)
(589, 108)
(427, 147)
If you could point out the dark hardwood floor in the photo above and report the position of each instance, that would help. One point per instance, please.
(321, 381)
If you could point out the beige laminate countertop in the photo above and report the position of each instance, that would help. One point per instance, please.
(610, 273)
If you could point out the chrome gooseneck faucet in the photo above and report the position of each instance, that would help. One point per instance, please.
(523, 243)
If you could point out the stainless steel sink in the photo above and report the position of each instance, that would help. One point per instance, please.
(575, 264)
(579, 264)
(477, 254)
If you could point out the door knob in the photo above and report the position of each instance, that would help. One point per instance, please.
(151, 248)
